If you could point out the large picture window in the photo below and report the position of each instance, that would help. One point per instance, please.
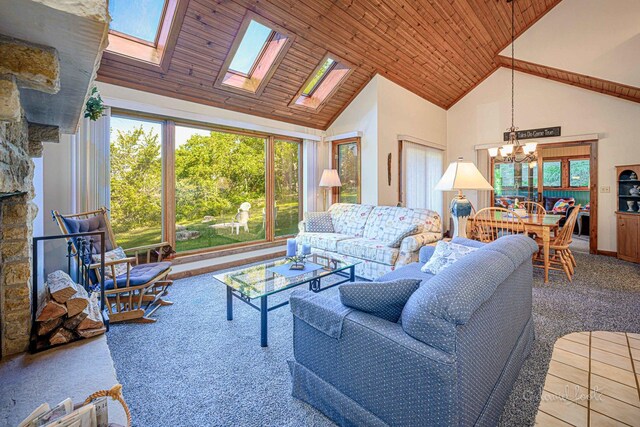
(200, 187)
(136, 181)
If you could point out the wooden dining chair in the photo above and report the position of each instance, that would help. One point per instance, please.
(533, 207)
(562, 259)
(489, 224)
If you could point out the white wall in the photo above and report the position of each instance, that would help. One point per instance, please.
(401, 112)
(484, 114)
(382, 111)
(362, 115)
(593, 37)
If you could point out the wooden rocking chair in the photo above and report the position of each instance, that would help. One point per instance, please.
(133, 296)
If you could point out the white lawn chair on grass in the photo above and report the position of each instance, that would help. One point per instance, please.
(241, 219)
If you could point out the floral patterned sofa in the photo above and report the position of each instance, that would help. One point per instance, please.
(363, 233)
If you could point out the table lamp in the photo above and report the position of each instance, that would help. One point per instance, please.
(460, 176)
(329, 179)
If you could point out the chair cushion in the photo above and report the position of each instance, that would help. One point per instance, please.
(318, 222)
(324, 241)
(114, 255)
(445, 255)
(369, 249)
(139, 275)
(94, 223)
(382, 299)
(387, 223)
(349, 218)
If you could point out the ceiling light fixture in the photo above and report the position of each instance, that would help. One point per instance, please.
(514, 151)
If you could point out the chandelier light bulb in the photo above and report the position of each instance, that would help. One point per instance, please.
(506, 149)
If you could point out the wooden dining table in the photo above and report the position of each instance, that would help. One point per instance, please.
(542, 225)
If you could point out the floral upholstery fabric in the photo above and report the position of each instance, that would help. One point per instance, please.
(318, 222)
(326, 241)
(415, 242)
(350, 218)
(386, 223)
(372, 250)
(114, 255)
(445, 255)
(365, 269)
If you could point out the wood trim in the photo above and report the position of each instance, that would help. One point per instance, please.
(593, 197)
(169, 182)
(223, 266)
(335, 191)
(606, 87)
(607, 253)
(270, 190)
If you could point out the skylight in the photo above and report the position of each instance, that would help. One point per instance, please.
(254, 55)
(139, 19)
(251, 46)
(318, 77)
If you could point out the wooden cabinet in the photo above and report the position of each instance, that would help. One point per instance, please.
(628, 213)
(628, 235)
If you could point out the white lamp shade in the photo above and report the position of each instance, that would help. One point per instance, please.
(462, 176)
(330, 178)
(506, 149)
(493, 151)
(530, 147)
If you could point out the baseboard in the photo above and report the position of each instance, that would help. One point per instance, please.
(222, 266)
(213, 253)
(608, 253)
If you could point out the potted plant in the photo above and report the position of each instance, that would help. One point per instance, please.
(95, 106)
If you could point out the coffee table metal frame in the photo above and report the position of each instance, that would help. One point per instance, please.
(315, 285)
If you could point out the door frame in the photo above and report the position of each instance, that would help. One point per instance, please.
(593, 183)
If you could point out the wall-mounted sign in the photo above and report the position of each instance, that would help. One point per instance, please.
(535, 133)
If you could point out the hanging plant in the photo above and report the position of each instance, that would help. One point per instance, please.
(95, 106)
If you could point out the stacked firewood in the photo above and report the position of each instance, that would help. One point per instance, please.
(66, 312)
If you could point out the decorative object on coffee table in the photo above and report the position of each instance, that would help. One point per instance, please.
(329, 179)
(269, 278)
(460, 176)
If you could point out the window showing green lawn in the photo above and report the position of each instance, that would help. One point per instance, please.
(220, 185)
(136, 181)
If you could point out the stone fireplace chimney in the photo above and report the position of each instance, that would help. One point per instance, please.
(49, 54)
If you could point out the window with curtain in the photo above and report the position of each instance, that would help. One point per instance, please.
(422, 168)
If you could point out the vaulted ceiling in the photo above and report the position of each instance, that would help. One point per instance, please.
(438, 49)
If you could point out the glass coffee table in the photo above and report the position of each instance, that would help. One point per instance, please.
(261, 280)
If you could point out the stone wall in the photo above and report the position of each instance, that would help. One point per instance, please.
(17, 213)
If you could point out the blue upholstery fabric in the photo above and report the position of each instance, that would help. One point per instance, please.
(410, 271)
(467, 242)
(469, 330)
(382, 299)
(425, 253)
(95, 223)
(326, 316)
(139, 275)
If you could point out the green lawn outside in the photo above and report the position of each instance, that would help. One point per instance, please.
(286, 224)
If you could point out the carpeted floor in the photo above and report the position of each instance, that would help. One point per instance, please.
(193, 368)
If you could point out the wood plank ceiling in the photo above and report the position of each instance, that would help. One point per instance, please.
(438, 49)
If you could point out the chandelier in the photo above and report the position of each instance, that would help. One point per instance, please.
(514, 151)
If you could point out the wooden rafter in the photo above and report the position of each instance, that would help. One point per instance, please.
(607, 87)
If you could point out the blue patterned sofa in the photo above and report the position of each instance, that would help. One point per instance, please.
(362, 230)
(451, 360)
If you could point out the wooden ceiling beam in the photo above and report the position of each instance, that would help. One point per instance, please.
(607, 87)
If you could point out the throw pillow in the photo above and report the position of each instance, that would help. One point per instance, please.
(396, 240)
(114, 255)
(381, 299)
(318, 222)
(446, 254)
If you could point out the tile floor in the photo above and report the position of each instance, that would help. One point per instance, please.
(593, 380)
